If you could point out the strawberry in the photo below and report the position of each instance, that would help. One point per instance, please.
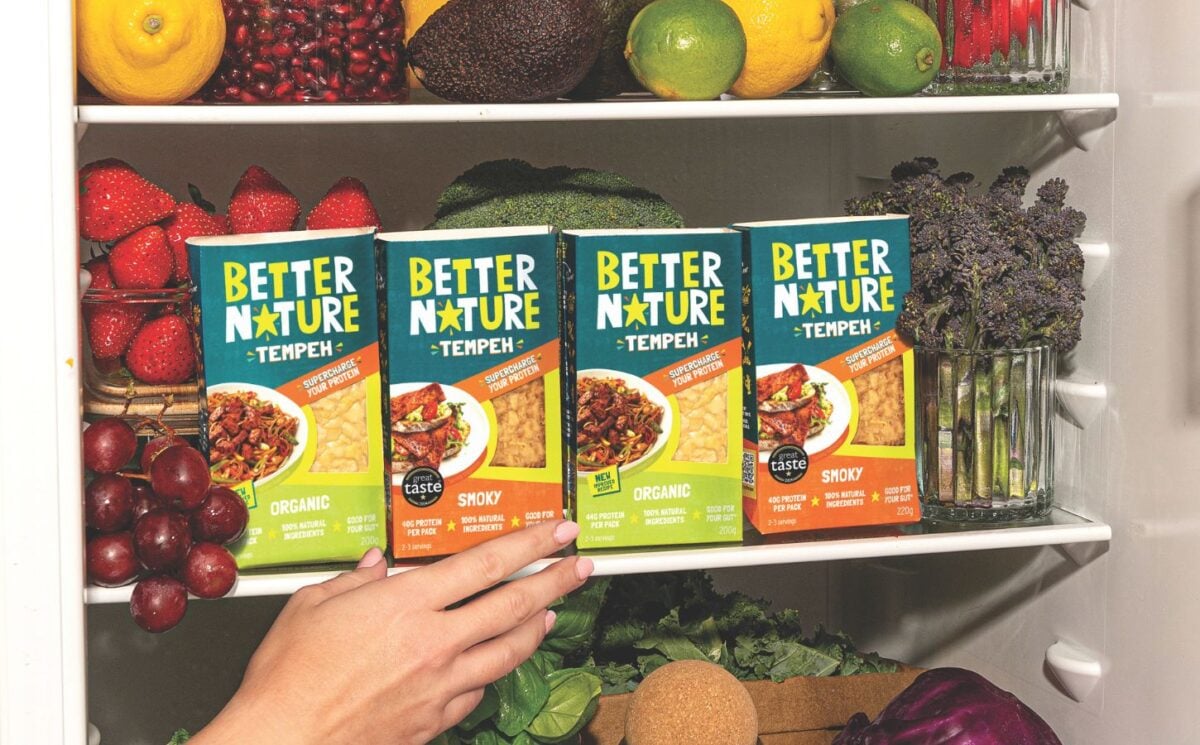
(111, 327)
(346, 205)
(143, 261)
(189, 221)
(101, 274)
(260, 204)
(115, 201)
(161, 352)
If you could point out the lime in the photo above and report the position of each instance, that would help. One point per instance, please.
(887, 47)
(686, 49)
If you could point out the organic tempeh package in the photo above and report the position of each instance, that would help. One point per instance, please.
(830, 415)
(475, 416)
(290, 389)
(652, 385)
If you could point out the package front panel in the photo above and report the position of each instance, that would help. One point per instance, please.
(829, 411)
(653, 389)
(291, 393)
(473, 358)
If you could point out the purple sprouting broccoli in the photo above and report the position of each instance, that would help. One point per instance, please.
(987, 271)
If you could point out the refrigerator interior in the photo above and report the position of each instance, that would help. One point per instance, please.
(1132, 465)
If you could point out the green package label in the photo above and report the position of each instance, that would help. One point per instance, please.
(652, 385)
(291, 398)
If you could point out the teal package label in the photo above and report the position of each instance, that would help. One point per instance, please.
(652, 361)
(291, 404)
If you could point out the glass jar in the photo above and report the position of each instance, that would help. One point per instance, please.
(985, 443)
(299, 51)
(1002, 46)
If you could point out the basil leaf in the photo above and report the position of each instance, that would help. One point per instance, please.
(576, 621)
(790, 659)
(574, 695)
(522, 694)
(488, 706)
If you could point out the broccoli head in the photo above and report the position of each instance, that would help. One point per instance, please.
(503, 193)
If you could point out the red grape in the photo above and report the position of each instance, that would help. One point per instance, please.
(180, 473)
(144, 499)
(108, 444)
(108, 503)
(162, 539)
(221, 517)
(209, 571)
(156, 446)
(111, 560)
(158, 603)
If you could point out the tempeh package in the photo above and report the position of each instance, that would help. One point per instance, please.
(829, 404)
(652, 385)
(473, 361)
(291, 399)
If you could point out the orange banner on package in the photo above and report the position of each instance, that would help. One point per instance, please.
(513, 373)
(698, 368)
(854, 362)
(335, 376)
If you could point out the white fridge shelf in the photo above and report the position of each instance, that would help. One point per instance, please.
(1060, 528)
(627, 108)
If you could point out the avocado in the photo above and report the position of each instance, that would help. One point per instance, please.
(506, 51)
(610, 76)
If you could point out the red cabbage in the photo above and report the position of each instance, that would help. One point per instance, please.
(950, 706)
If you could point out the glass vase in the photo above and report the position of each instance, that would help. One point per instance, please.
(1002, 46)
(985, 445)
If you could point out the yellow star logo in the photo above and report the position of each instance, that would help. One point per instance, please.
(337, 527)
(264, 323)
(450, 316)
(516, 521)
(812, 300)
(450, 526)
(874, 496)
(272, 534)
(635, 311)
(696, 515)
(634, 519)
(816, 501)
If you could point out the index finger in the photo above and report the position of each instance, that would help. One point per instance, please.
(486, 565)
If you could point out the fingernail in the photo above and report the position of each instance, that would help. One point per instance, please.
(566, 531)
(370, 558)
(584, 568)
(550, 616)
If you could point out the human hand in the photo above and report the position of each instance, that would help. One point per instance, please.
(365, 658)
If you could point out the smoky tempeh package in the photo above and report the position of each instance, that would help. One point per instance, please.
(652, 385)
(829, 409)
(473, 359)
(291, 400)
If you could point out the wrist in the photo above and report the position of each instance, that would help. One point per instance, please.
(245, 719)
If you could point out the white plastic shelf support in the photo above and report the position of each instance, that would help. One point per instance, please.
(1077, 671)
(1084, 400)
(1096, 255)
(1060, 528)
(629, 108)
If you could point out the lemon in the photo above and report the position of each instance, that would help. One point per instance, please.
(686, 49)
(786, 40)
(148, 51)
(416, 12)
(887, 48)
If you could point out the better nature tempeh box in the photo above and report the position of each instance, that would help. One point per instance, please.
(291, 398)
(651, 385)
(829, 410)
(473, 361)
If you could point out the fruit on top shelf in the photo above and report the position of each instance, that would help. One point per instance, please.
(190, 221)
(416, 12)
(158, 603)
(482, 51)
(115, 201)
(610, 74)
(346, 205)
(261, 204)
(887, 48)
(686, 50)
(108, 445)
(691, 701)
(328, 51)
(108, 503)
(111, 327)
(502, 193)
(148, 51)
(786, 40)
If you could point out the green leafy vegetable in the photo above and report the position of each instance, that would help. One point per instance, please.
(488, 706)
(576, 622)
(617, 678)
(574, 695)
(181, 736)
(522, 694)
